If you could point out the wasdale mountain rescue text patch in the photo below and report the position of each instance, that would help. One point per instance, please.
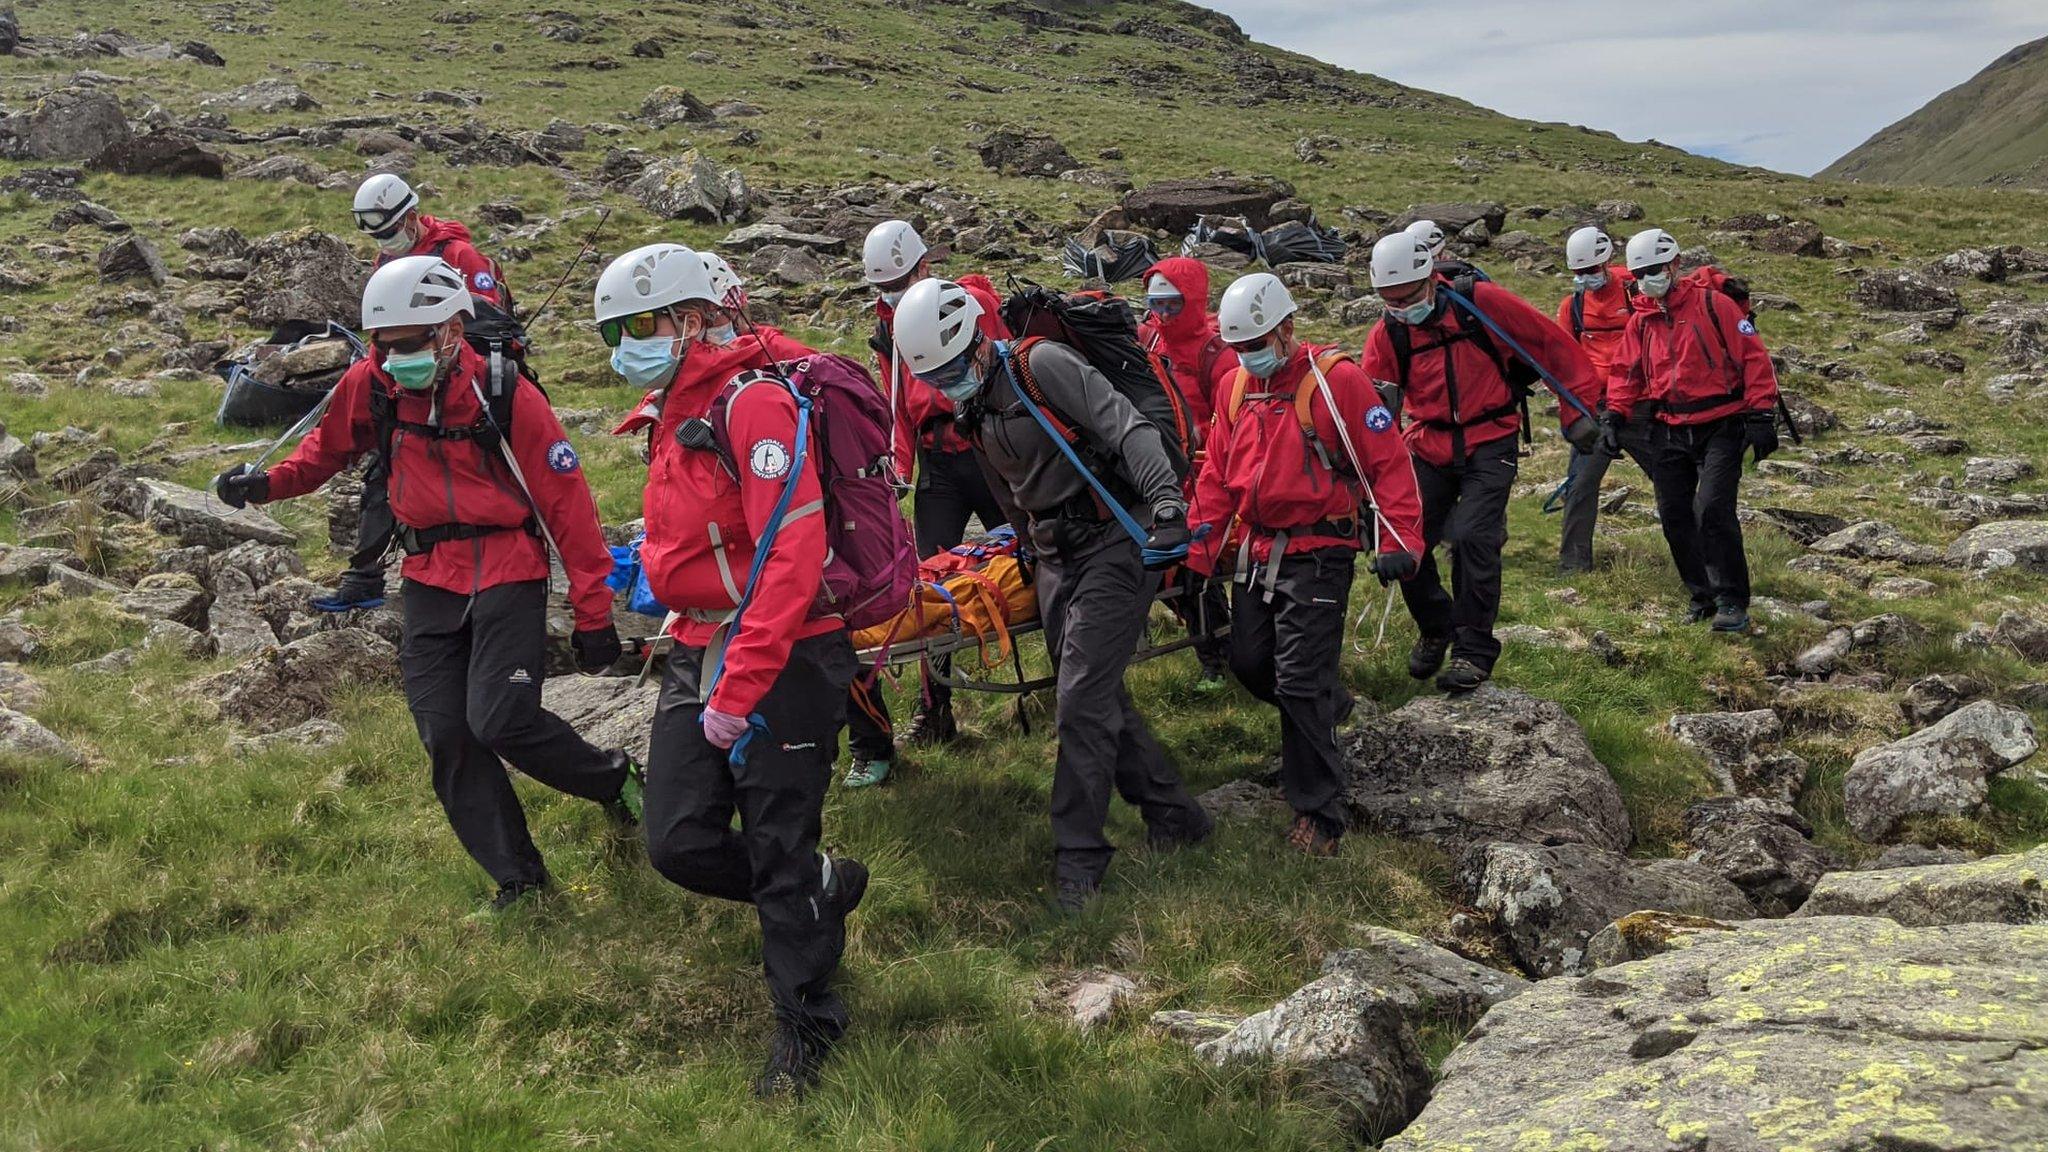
(769, 459)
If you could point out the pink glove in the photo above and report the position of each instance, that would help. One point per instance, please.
(723, 728)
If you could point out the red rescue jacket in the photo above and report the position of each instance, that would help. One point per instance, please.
(1203, 364)
(1263, 473)
(1693, 357)
(924, 417)
(704, 516)
(436, 482)
(451, 241)
(1454, 391)
(1596, 320)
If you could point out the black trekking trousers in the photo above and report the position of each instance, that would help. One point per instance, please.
(1093, 601)
(1464, 506)
(1582, 504)
(473, 673)
(950, 489)
(1286, 651)
(1697, 471)
(694, 790)
(377, 527)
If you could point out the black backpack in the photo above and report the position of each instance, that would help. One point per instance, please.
(493, 329)
(1103, 329)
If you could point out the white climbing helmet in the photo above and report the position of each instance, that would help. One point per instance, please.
(891, 251)
(1401, 258)
(650, 277)
(414, 290)
(1253, 306)
(1587, 248)
(1650, 248)
(1428, 232)
(382, 202)
(935, 322)
(731, 290)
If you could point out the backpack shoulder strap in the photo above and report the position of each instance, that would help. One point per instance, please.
(1240, 383)
(1020, 360)
(1403, 343)
(1206, 363)
(1579, 314)
(1305, 396)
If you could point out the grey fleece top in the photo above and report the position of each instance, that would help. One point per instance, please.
(1038, 475)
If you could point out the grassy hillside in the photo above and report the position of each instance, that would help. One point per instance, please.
(207, 948)
(1989, 130)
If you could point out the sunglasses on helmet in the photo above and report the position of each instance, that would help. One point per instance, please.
(640, 326)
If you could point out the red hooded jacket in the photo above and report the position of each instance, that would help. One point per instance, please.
(1203, 364)
(1693, 356)
(451, 241)
(703, 520)
(1451, 382)
(438, 481)
(924, 417)
(1262, 474)
(1599, 324)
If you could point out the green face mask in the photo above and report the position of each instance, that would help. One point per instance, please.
(414, 370)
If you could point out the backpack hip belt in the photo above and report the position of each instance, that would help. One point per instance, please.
(420, 541)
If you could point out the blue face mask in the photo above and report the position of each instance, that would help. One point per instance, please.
(720, 336)
(959, 378)
(1655, 286)
(965, 388)
(1415, 313)
(645, 362)
(1261, 362)
(1590, 281)
(893, 298)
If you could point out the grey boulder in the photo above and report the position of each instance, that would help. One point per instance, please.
(1941, 770)
(1995, 889)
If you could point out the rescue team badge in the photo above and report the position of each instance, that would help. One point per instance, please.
(561, 457)
(769, 459)
(1378, 418)
(484, 281)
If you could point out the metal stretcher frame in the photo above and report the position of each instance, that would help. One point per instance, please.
(955, 641)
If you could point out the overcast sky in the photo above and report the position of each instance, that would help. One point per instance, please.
(1786, 84)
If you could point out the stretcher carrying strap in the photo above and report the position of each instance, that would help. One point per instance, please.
(1563, 394)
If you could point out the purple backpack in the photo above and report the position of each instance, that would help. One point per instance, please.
(870, 561)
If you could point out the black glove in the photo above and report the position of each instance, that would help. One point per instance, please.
(1584, 434)
(1168, 543)
(1390, 395)
(596, 649)
(238, 487)
(1611, 424)
(1392, 566)
(1762, 430)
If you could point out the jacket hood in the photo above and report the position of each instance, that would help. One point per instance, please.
(434, 230)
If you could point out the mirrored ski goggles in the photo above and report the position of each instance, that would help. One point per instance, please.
(640, 326)
(380, 225)
(1167, 306)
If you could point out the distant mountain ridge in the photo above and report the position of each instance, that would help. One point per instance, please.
(1991, 129)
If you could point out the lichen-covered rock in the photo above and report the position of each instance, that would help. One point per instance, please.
(609, 711)
(1548, 902)
(285, 686)
(2003, 544)
(1836, 1034)
(1995, 889)
(172, 596)
(1742, 753)
(1345, 1040)
(1876, 540)
(692, 187)
(1495, 764)
(69, 124)
(22, 735)
(1941, 770)
(194, 517)
(1763, 847)
(1930, 698)
(303, 274)
(1441, 982)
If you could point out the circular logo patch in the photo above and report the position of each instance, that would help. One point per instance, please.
(768, 459)
(1746, 328)
(1378, 418)
(561, 457)
(484, 281)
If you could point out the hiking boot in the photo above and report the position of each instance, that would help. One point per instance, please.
(1699, 613)
(846, 881)
(1213, 681)
(931, 727)
(866, 772)
(796, 1055)
(353, 593)
(1462, 676)
(1427, 656)
(517, 894)
(1073, 895)
(1308, 837)
(1731, 618)
(625, 808)
(1161, 839)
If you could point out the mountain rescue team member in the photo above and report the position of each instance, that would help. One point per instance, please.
(1179, 326)
(1282, 465)
(387, 210)
(788, 667)
(950, 486)
(1094, 589)
(1463, 412)
(475, 532)
(1692, 360)
(1596, 313)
